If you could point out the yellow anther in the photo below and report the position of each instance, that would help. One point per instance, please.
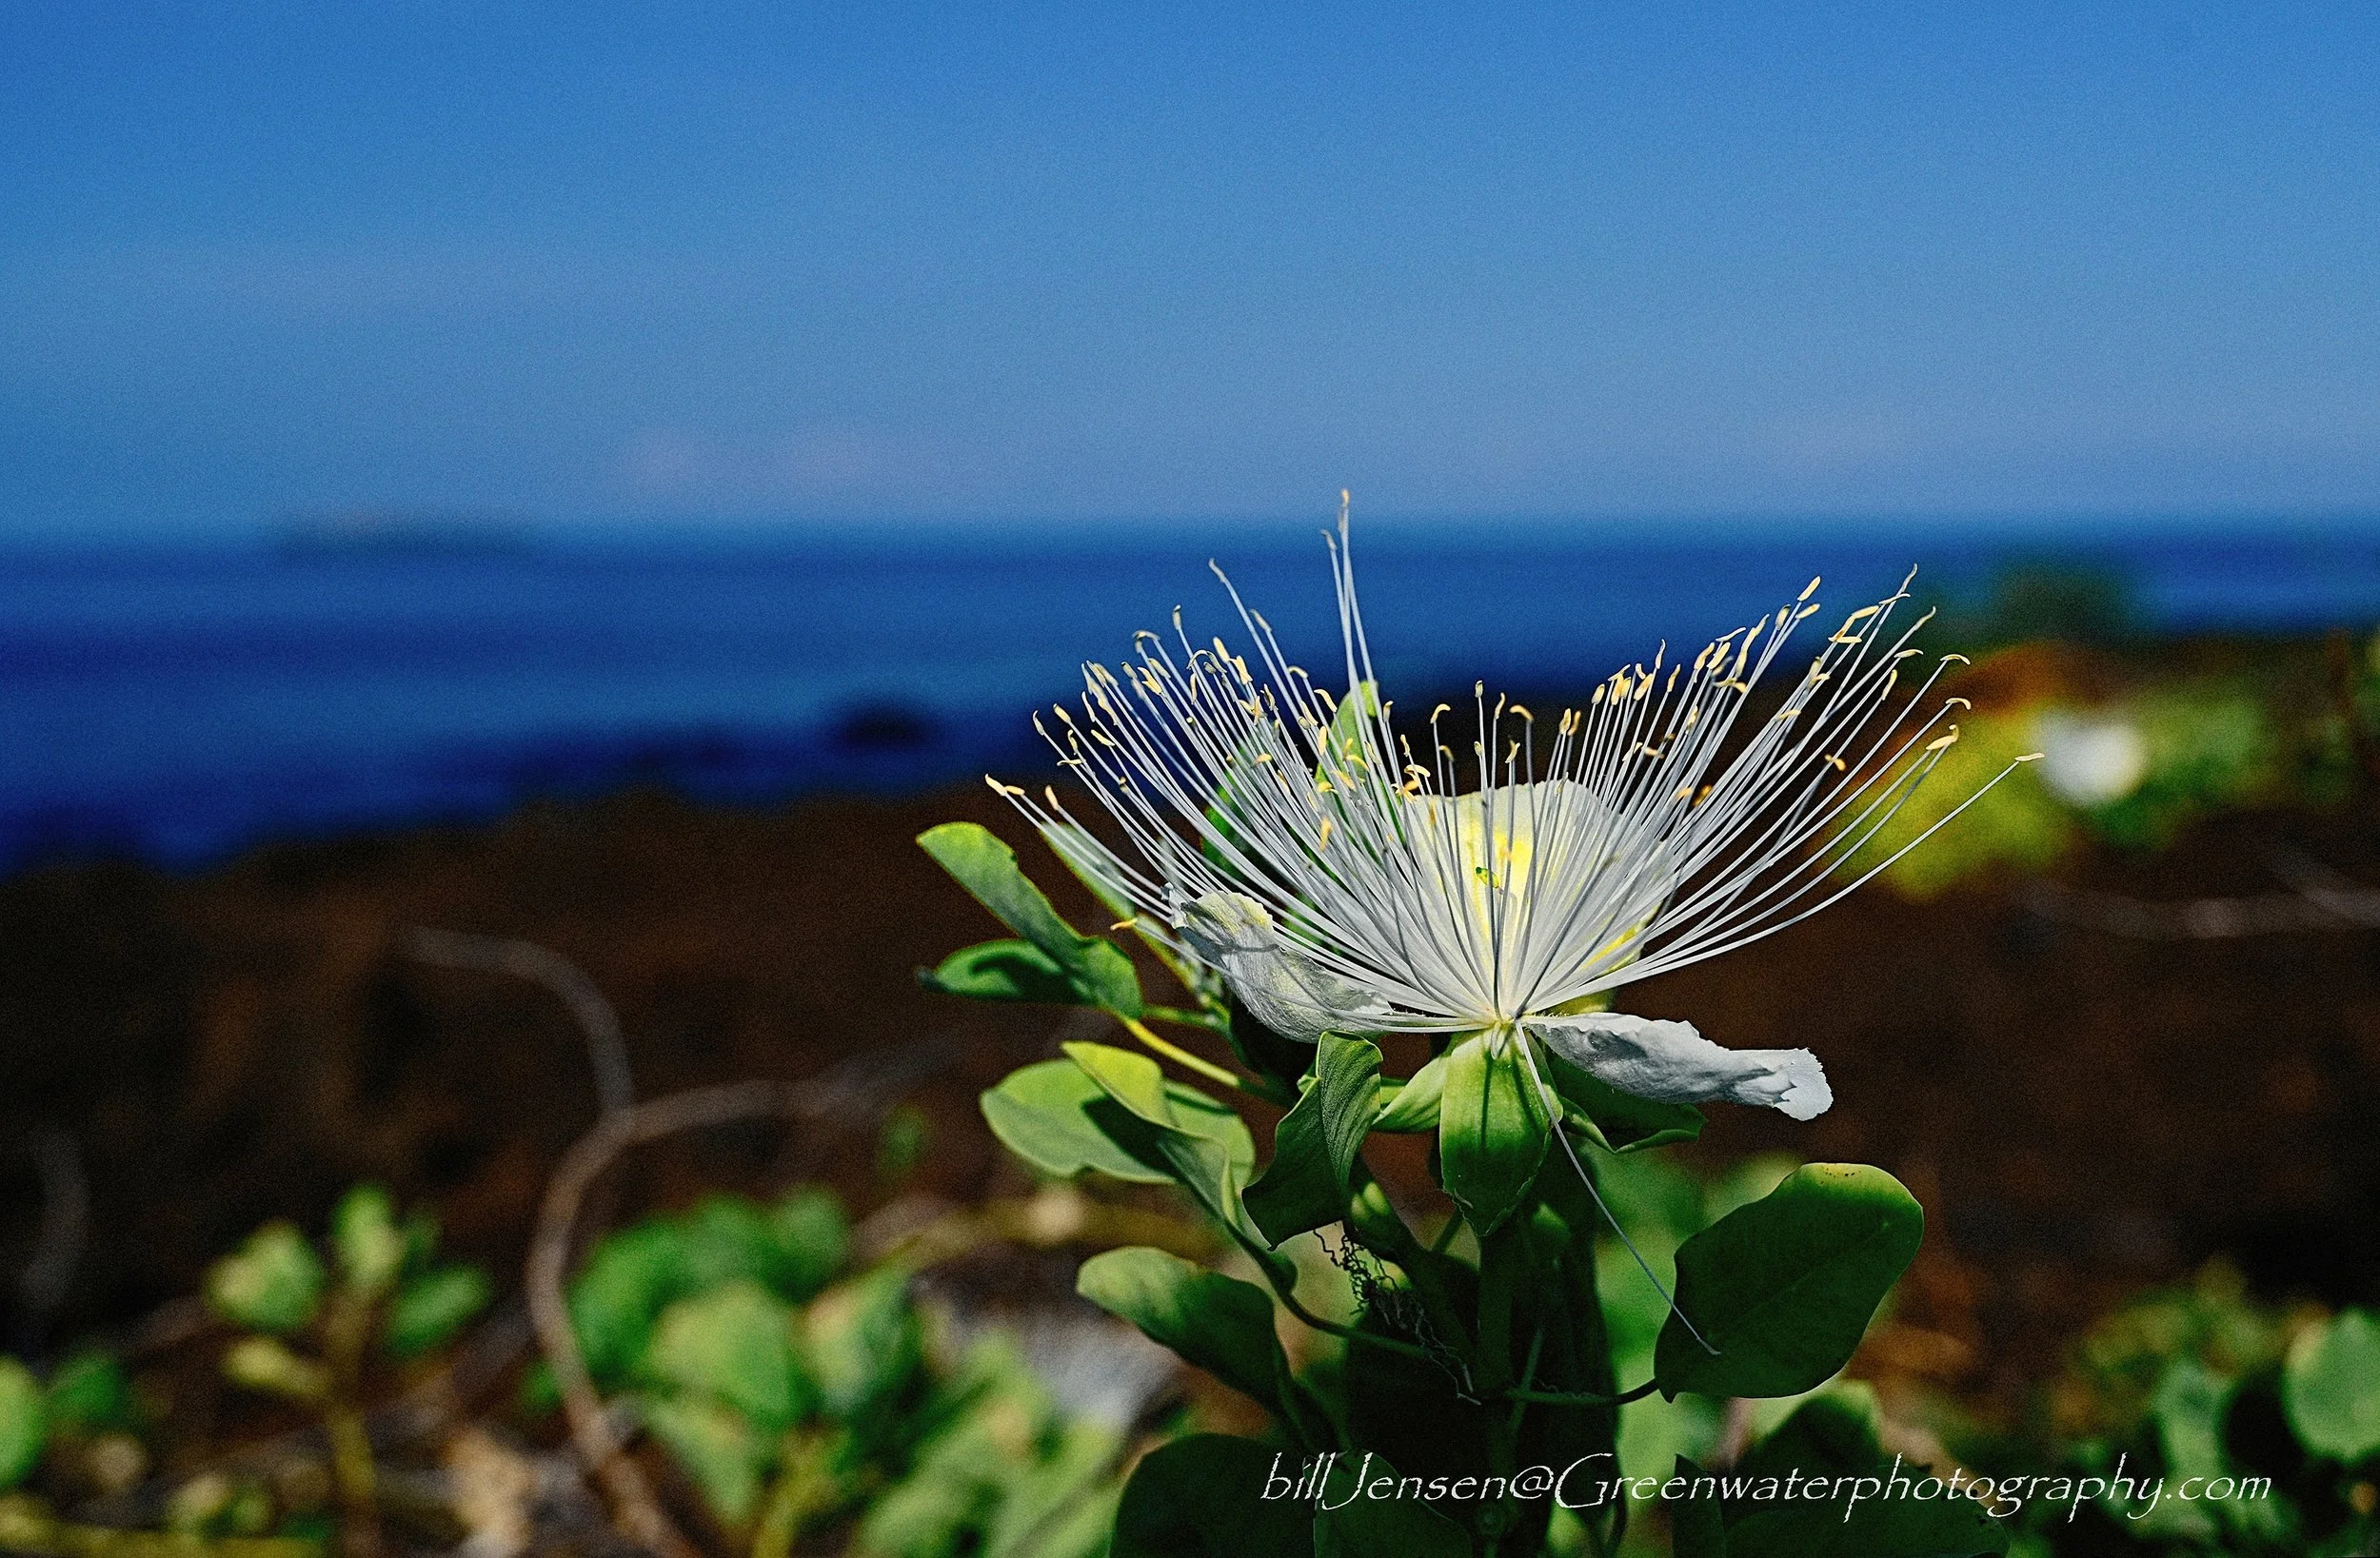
(1808, 590)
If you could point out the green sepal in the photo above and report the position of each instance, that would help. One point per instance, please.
(1003, 971)
(1411, 1106)
(1204, 1497)
(1492, 1131)
(1315, 1146)
(1616, 1121)
(1782, 1290)
(987, 868)
(1214, 1322)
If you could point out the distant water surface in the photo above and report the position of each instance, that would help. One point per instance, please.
(176, 704)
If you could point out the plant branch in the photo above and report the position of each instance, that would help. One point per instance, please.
(838, 1098)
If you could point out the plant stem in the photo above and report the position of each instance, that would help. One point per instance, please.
(347, 1334)
(1181, 1056)
(1561, 1398)
(1186, 1020)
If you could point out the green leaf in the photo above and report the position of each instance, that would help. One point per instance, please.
(1099, 969)
(1412, 1105)
(1204, 1497)
(273, 1282)
(1616, 1121)
(1315, 1146)
(24, 1423)
(1185, 1121)
(90, 1394)
(717, 1449)
(1214, 1322)
(1349, 1523)
(813, 1242)
(1045, 1114)
(2331, 1387)
(1835, 1438)
(2189, 1405)
(1492, 1131)
(733, 1344)
(1003, 971)
(366, 1239)
(860, 1342)
(265, 1364)
(613, 1299)
(1697, 1529)
(428, 1310)
(1784, 1287)
(1131, 1078)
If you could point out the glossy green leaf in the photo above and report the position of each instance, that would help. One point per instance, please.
(1214, 1322)
(1200, 1140)
(1834, 1439)
(366, 1241)
(2331, 1388)
(1412, 1105)
(734, 1344)
(1204, 1497)
(1492, 1133)
(1616, 1121)
(1131, 1078)
(428, 1310)
(1049, 1113)
(1315, 1144)
(273, 1282)
(24, 1423)
(1784, 1287)
(1360, 1514)
(987, 868)
(1003, 971)
(718, 1450)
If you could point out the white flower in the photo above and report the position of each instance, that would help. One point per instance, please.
(1291, 843)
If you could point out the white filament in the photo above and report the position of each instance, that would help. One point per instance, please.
(1629, 843)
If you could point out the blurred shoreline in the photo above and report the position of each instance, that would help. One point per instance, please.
(180, 703)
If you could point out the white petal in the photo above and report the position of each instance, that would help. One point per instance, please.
(1671, 1063)
(1285, 989)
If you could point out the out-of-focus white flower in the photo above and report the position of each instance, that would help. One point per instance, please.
(2089, 761)
(1505, 879)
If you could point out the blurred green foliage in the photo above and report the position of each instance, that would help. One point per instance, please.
(796, 1392)
(2276, 1407)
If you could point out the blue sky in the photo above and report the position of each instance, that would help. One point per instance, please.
(776, 262)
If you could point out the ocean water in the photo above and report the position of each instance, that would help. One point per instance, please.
(176, 704)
